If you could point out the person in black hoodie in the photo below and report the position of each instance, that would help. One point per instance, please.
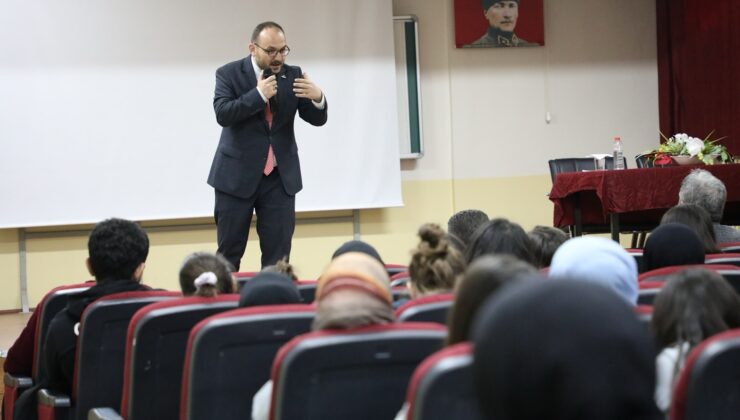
(117, 254)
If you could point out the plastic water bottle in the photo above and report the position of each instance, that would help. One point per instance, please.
(618, 155)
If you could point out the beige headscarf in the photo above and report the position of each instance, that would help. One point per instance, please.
(353, 291)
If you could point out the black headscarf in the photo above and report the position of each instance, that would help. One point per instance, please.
(269, 289)
(562, 350)
(672, 244)
(358, 246)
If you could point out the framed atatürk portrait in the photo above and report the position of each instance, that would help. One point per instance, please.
(499, 24)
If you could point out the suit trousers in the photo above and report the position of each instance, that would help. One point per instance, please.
(275, 210)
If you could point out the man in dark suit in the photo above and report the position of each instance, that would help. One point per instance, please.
(256, 165)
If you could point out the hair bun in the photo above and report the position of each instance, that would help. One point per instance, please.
(432, 234)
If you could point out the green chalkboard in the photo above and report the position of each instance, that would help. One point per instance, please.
(406, 43)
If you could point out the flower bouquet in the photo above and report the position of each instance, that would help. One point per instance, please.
(684, 150)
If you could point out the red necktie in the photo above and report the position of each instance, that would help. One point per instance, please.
(270, 163)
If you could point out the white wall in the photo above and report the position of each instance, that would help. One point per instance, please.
(484, 109)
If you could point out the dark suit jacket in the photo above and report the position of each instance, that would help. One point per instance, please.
(242, 151)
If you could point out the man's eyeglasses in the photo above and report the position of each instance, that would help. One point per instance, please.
(273, 52)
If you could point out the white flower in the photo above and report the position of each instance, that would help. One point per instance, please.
(694, 146)
(680, 138)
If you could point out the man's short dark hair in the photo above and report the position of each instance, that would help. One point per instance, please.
(116, 248)
(463, 224)
(262, 26)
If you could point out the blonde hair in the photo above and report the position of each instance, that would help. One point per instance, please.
(435, 264)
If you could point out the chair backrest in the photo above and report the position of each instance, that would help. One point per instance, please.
(245, 274)
(637, 254)
(229, 357)
(729, 246)
(442, 386)
(102, 343)
(647, 292)
(562, 165)
(353, 374)
(307, 290)
(660, 274)
(644, 160)
(708, 387)
(53, 302)
(394, 269)
(644, 314)
(431, 308)
(400, 278)
(729, 258)
(155, 350)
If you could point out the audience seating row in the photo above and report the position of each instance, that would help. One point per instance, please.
(53, 302)
(221, 356)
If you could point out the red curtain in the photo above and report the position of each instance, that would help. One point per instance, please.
(699, 68)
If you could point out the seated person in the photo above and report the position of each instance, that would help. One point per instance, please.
(354, 291)
(702, 188)
(597, 260)
(282, 267)
(435, 264)
(546, 240)
(500, 236)
(696, 218)
(462, 225)
(117, 254)
(268, 288)
(562, 350)
(358, 246)
(485, 277)
(692, 306)
(206, 275)
(672, 244)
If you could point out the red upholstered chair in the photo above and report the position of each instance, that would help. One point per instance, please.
(307, 290)
(637, 255)
(244, 274)
(442, 386)
(729, 246)
(644, 314)
(155, 350)
(229, 357)
(400, 279)
(350, 374)
(660, 273)
(709, 384)
(394, 269)
(53, 302)
(431, 308)
(101, 343)
(648, 291)
(727, 258)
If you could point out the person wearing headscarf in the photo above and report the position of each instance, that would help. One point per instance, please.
(353, 291)
(562, 350)
(268, 288)
(597, 260)
(672, 244)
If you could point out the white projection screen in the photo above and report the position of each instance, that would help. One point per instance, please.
(106, 106)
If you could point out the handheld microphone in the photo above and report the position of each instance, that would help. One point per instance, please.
(273, 101)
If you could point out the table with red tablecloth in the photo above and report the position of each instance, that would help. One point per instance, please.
(631, 196)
